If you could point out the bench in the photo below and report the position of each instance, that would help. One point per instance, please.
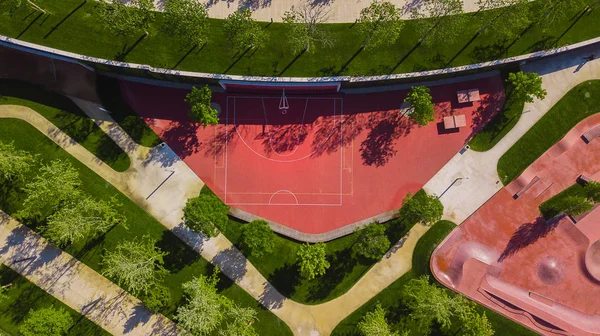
(527, 187)
(583, 179)
(591, 134)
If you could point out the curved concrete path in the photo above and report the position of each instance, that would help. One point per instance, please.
(468, 180)
(160, 167)
(336, 10)
(77, 285)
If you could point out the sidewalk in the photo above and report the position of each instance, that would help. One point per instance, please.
(75, 284)
(338, 10)
(470, 179)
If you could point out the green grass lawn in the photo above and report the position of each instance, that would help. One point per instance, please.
(579, 103)
(279, 267)
(182, 262)
(74, 26)
(500, 124)
(392, 299)
(67, 116)
(24, 295)
(109, 91)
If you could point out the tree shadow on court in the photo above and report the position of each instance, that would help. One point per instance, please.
(224, 138)
(284, 138)
(384, 129)
(328, 135)
(528, 234)
(183, 137)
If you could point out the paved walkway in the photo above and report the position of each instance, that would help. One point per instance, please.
(470, 179)
(75, 284)
(166, 205)
(337, 10)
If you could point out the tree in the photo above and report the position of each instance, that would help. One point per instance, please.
(592, 190)
(200, 109)
(240, 321)
(474, 324)
(205, 213)
(512, 20)
(124, 17)
(243, 32)
(14, 163)
(374, 324)
(426, 210)
(575, 205)
(372, 242)
(258, 238)
(187, 20)
(204, 308)
(46, 322)
(429, 303)
(422, 107)
(445, 23)
(15, 5)
(312, 260)
(55, 184)
(135, 265)
(380, 23)
(549, 11)
(157, 298)
(526, 86)
(82, 219)
(304, 26)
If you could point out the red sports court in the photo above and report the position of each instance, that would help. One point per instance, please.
(327, 160)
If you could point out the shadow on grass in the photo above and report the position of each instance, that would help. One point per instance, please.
(120, 56)
(344, 67)
(30, 24)
(65, 19)
(292, 62)
(237, 60)
(180, 255)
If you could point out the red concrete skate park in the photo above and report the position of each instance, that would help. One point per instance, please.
(544, 274)
(332, 160)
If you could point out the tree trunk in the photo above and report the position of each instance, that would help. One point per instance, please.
(36, 6)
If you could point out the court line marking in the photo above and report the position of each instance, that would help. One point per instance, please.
(275, 160)
(282, 191)
(267, 124)
(336, 121)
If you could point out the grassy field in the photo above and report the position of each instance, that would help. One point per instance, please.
(391, 298)
(182, 262)
(67, 116)
(579, 103)
(501, 124)
(279, 267)
(24, 295)
(73, 25)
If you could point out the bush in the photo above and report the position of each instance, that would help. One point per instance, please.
(205, 214)
(372, 242)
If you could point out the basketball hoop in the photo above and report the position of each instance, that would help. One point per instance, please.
(284, 105)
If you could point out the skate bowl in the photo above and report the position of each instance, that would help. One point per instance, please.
(592, 260)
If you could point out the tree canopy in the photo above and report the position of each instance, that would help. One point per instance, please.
(374, 324)
(56, 183)
(205, 213)
(592, 190)
(526, 86)
(575, 205)
(124, 17)
(187, 20)
(258, 238)
(514, 17)
(82, 219)
(135, 265)
(206, 311)
(380, 23)
(200, 109)
(304, 29)
(372, 242)
(14, 163)
(426, 210)
(421, 103)
(312, 260)
(47, 321)
(243, 32)
(445, 23)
